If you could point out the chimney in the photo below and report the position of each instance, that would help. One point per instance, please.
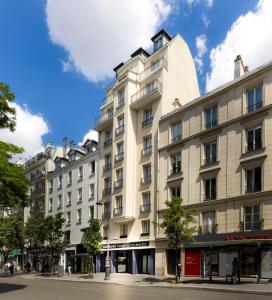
(72, 144)
(65, 146)
(239, 68)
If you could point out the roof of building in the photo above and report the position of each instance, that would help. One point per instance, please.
(162, 31)
(89, 141)
(118, 67)
(140, 51)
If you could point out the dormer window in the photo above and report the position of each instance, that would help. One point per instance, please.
(58, 164)
(158, 43)
(72, 156)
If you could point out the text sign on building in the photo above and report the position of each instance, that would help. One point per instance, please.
(249, 237)
(127, 245)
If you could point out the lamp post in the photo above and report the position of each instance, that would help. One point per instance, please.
(107, 261)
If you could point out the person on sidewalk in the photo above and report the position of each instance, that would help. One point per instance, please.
(235, 271)
(69, 268)
(179, 268)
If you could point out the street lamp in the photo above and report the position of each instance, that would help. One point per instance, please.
(107, 261)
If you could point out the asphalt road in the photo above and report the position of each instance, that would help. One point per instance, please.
(40, 289)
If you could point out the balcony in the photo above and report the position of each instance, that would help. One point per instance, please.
(152, 69)
(147, 151)
(211, 124)
(107, 167)
(254, 107)
(38, 192)
(119, 130)
(37, 176)
(107, 191)
(146, 95)
(107, 143)
(119, 157)
(210, 160)
(253, 147)
(208, 229)
(209, 196)
(147, 122)
(107, 100)
(145, 208)
(118, 184)
(176, 139)
(102, 120)
(106, 215)
(117, 211)
(146, 179)
(253, 188)
(175, 170)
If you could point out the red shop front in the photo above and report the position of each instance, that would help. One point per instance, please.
(192, 262)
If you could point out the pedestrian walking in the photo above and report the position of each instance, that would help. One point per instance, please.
(69, 268)
(235, 271)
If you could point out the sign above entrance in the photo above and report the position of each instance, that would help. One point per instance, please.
(249, 237)
(127, 245)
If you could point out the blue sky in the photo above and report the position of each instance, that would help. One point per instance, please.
(41, 57)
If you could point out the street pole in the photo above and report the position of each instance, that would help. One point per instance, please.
(107, 264)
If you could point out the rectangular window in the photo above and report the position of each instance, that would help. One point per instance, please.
(155, 65)
(120, 125)
(176, 163)
(158, 43)
(105, 232)
(254, 180)
(175, 192)
(91, 212)
(91, 191)
(120, 152)
(210, 189)
(50, 204)
(254, 98)
(80, 173)
(211, 117)
(108, 139)
(209, 226)
(121, 96)
(59, 201)
(69, 177)
(176, 132)
(51, 185)
(79, 215)
(148, 118)
(145, 227)
(252, 218)
(60, 181)
(254, 138)
(107, 186)
(123, 230)
(147, 145)
(92, 169)
(79, 195)
(210, 153)
(107, 212)
(146, 174)
(145, 207)
(68, 218)
(69, 198)
(118, 205)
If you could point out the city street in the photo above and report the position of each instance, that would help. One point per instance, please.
(33, 289)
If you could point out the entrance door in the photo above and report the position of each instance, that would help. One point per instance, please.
(122, 262)
(192, 263)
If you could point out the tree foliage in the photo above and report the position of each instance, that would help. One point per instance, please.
(7, 113)
(11, 234)
(92, 241)
(176, 221)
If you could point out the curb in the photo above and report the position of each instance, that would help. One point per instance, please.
(203, 288)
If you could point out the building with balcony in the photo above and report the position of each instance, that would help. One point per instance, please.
(147, 86)
(73, 192)
(215, 152)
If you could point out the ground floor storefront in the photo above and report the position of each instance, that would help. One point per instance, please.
(133, 258)
(214, 255)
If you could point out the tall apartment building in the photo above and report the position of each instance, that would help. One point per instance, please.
(147, 86)
(36, 170)
(73, 192)
(216, 152)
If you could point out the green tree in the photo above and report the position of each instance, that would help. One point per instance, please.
(10, 234)
(48, 232)
(7, 113)
(92, 241)
(177, 225)
(14, 186)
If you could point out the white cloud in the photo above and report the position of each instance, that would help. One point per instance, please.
(29, 131)
(91, 134)
(206, 21)
(250, 36)
(98, 35)
(208, 3)
(201, 46)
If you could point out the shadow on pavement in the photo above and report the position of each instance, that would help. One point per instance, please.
(152, 280)
(9, 287)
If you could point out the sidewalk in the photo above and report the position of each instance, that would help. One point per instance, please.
(247, 286)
